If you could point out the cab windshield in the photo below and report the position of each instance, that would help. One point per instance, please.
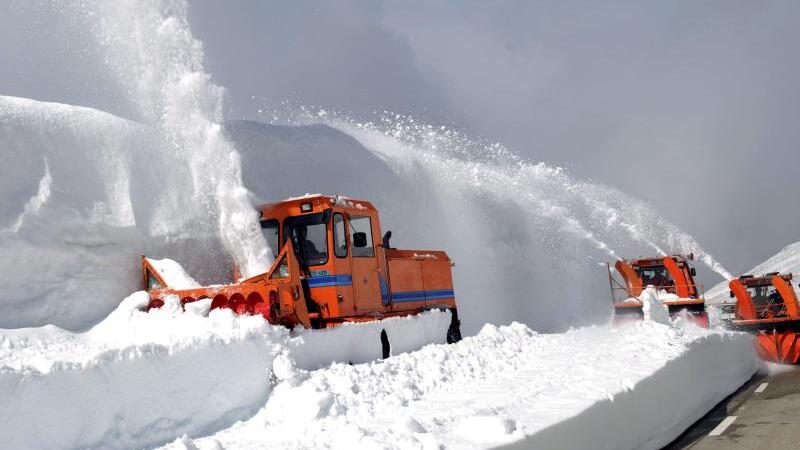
(312, 236)
(764, 295)
(657, 276)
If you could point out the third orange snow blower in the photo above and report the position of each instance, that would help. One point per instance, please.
(328, 270)
(671, 276)
(767, 307)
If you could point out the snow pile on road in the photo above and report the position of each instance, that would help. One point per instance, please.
(638, 386)
(786, 260)
(137, 379)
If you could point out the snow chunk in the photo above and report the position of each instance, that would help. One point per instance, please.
(173, 274)
(652, 305)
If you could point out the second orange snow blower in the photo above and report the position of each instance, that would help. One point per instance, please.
(671, 276)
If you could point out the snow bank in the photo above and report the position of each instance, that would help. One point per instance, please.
(134, 379)
(638, 386)
(138, 379)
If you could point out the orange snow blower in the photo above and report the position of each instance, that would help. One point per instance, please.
(328, 270)
(767, 307)
(673, 279)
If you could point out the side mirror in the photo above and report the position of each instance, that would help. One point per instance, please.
(386, 237)
(326, 216)
(731, 294)
(359, 240)
(693, 272)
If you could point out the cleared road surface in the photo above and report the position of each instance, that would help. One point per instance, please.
(764, 414)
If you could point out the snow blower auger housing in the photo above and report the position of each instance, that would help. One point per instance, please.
(329, 269)
(671, 276)
(767, 307)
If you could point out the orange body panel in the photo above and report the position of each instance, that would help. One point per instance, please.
(345, 281)
(779, 347)
(632, 281)
(744, 304)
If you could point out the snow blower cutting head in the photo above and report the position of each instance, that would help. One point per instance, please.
(767, 306)
(329, 269)
(671, 277)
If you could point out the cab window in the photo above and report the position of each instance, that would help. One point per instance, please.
(657, 276)
(270, 230)
(282, 271)
(362, 244)
(339, 236)
(311, 234)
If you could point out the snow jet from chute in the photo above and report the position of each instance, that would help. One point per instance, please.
(153, 53)
(587, 210)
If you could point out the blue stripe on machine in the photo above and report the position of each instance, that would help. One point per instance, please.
(330, 280)
(421, 296)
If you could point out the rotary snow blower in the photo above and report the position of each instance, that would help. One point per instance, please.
(671, 276)
(767, 307)
(328, 271)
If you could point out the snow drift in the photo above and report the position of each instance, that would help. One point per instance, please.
(636, 387)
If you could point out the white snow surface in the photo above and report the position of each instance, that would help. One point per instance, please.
(636, 387)
(137, 379)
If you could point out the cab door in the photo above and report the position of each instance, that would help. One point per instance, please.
(342, 269)
(364, 263)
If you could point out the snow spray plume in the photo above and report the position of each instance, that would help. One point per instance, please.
(525, 235)
(548, 191)
(153, 54)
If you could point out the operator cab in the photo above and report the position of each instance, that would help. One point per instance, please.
(764, 297)
(333, 240)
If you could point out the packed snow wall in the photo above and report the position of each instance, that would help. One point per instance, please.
(87, 191)
(84, 192)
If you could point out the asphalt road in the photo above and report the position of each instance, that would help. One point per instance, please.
(763, 414)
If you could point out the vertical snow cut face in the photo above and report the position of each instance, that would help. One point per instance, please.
(35, 203)
(164, 180)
